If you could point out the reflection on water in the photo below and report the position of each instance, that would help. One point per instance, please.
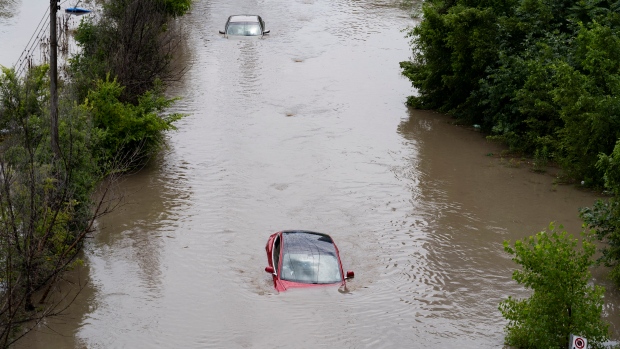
(306, 129)
(249, 63)
(475, 202)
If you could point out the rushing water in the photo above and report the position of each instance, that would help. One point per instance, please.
(307, 129)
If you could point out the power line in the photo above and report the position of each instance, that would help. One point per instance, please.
(21, 62)
(37, 37)
(45, 17)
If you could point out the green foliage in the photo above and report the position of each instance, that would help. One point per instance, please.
(610, 166)
(20, 100)
(134, 41)
(46, 199)
(117, 9)
(79, 142)
(177, 7)
(91, 63)
(431, 59)
(63, 186)
(562, 302)
(588, 98)
(604, 216)
(125, 56)
(536, 74)
(128, 132)
(541, 159)
(454, 45)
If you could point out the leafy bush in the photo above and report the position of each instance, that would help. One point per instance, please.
(46, 198)
(541, 76)
(134, 41)
(177, 7)
(45, 201)
(128, 133)
(534, 73)
(604, 216)
(562, 302)
(587, 96)
(453, 47)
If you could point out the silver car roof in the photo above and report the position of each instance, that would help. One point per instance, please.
(243, 18)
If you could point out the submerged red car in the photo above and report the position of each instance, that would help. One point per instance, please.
(301, 258)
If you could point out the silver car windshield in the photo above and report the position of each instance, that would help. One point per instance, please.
(243, 29)
(309, 258)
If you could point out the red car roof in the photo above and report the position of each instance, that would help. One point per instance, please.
(304, 259)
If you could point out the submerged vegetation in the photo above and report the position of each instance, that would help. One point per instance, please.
(111, 118)
(604, 216)
(543, 77)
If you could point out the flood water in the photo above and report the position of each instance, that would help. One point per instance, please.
(306, 129)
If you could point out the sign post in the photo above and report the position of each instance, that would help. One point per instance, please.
(577, 342)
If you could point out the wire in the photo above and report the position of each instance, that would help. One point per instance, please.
(29, 50)
(31, 42)
(39, 31)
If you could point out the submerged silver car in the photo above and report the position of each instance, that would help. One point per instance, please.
(244, 25)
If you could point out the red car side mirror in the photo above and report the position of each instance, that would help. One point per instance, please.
(350, 274)
(269, 270)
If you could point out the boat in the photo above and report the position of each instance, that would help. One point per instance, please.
(77, 10)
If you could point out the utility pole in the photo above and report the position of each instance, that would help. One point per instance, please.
(54, 7)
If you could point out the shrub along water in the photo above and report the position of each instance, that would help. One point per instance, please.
(604, 216)
(134, 42)
(542, 76)
(129, 133)
(534, 73)
(45, 206)
(112, 118)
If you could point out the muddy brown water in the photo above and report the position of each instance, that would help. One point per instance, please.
(307, 129)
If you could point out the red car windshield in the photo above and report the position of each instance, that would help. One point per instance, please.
(309, 258)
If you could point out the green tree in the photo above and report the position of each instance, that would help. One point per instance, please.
(540, 75)
(177, 7)
(135, 41)
(48, 204)
(604, 216)
(453, 47)
(587, 95)
(562, 301)
(46, 208)
(128, 133)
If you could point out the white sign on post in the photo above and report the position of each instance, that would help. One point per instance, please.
(577, 342)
